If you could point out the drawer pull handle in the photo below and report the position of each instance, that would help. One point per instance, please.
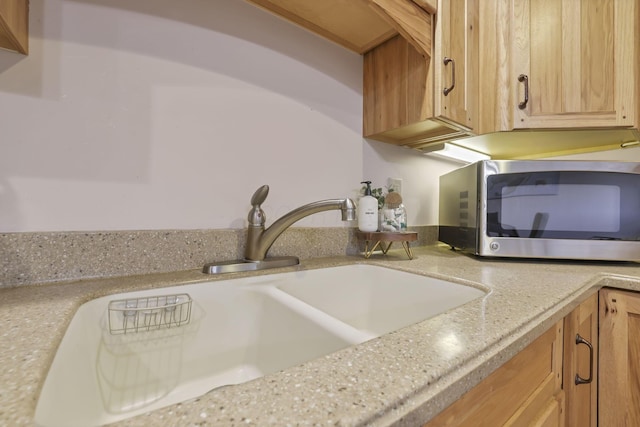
(448, 90)
(523, 78)
(579, 380)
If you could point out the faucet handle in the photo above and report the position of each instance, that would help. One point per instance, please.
(260, 196)
(256, 216)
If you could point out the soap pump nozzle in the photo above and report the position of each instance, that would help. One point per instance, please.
(367, 191)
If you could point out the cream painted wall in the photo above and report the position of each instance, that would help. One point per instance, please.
(419, 173)
(157, 114)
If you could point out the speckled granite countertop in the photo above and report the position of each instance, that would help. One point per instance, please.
(402, 378)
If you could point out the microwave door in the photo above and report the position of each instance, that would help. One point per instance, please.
(563, 205)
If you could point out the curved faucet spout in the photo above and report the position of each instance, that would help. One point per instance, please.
(260, 240)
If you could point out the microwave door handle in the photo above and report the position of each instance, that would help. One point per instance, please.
(539, 224)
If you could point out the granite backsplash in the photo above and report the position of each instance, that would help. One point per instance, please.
(43, 257)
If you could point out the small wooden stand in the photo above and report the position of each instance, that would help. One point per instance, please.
(379, 238)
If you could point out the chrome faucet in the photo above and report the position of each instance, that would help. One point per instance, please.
(259, 239)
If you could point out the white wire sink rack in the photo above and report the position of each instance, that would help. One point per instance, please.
(133, 315)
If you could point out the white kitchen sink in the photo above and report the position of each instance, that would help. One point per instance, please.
(377, 300)
(236, 330)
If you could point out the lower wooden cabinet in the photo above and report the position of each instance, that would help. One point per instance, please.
(619, 398)
(583, 372)
(552, 382)
(580, 379)
(527, 390)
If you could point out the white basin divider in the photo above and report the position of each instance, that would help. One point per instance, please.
(326, 321)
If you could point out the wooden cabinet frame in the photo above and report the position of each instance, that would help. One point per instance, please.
(14, 25)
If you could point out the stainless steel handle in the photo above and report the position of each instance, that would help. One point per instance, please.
(260, 195)
(579, 380)
(446, 61)
(256, 215)
(523, 78)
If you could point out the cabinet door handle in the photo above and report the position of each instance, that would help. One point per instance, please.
(446, 61)
(579, 380)
(523, 78)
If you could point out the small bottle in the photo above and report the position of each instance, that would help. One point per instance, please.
(367, 210)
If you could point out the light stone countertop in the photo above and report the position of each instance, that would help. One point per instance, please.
(403, 378)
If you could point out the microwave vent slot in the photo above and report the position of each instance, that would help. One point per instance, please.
(463, 214)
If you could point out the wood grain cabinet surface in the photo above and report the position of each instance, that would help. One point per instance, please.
(552, 382)
(619, 402)
(549, 64)
(350, 23)
(456, 62)
(526, 390)
(361, 25)
(569, 70)
(418, 101)
(397, 92)
(578, 61)
(14, 25)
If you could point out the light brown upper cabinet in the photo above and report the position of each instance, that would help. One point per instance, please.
(573, 63)
(14, 25)
(417, 101)
(360, 25)
(549, 64)
(397, 93)
(456, 62)
(352, 24)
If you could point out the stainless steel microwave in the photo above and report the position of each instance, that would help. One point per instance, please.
(543, 209)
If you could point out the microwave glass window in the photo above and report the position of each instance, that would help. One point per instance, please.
(521, 206)
(564, 205)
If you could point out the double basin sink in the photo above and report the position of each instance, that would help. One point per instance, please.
(225, 332)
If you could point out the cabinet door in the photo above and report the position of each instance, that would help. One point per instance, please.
(580, 362)
(456, 61)
(575, 60)
(524, 391)
(619, 373)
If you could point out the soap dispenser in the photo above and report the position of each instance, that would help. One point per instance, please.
(367, 210)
